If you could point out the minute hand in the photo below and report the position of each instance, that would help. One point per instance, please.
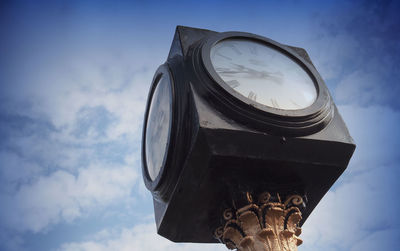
(276, 77)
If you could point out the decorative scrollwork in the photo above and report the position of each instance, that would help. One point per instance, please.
(264, 198)
(218, 233)
(249, 197)
(269, 225)
(228, 214)
(296, 200)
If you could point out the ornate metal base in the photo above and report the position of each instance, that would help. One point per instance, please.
(269, 225)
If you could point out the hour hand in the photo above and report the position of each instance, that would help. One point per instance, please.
(276, 77)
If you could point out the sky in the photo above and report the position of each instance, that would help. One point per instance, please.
(74, 78)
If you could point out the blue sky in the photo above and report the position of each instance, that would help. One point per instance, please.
(74, 77)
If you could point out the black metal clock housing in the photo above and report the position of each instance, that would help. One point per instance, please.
(225, 123)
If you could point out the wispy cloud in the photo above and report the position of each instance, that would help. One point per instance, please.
(70, 132)
(355, 47)
(357, 52)
(140, 237)
(63, 196)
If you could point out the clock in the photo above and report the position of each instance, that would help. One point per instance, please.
(158, 125)
(263, 74)
(262, 83)
(230, 113)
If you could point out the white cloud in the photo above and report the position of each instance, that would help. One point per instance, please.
(362, 207)
(64, 168)
(364, 88)
(14, 170)
(142, 237)
(62, 196)
(380, 240)
(329, 51)
(375, 131)
(125, 102)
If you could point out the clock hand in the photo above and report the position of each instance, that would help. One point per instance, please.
(223, 56)
(234, 48)
(257, 62)
(252, 96)
(255, 74)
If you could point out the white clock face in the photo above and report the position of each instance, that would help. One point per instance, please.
(263, 74)
(158, 126)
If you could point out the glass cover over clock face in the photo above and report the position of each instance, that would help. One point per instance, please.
(158, 126)
(263, 74)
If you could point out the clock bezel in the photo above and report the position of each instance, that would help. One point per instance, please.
(273, 120)
(268, 57)
(151, 184)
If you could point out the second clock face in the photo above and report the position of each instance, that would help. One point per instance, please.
(158, 126)
(263, 74)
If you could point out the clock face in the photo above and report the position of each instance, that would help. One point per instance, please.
(263, 74)
(158, 126)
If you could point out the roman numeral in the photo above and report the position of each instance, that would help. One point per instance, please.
(235, 49)
(252, 96)
(233, 83)
(274, 103)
